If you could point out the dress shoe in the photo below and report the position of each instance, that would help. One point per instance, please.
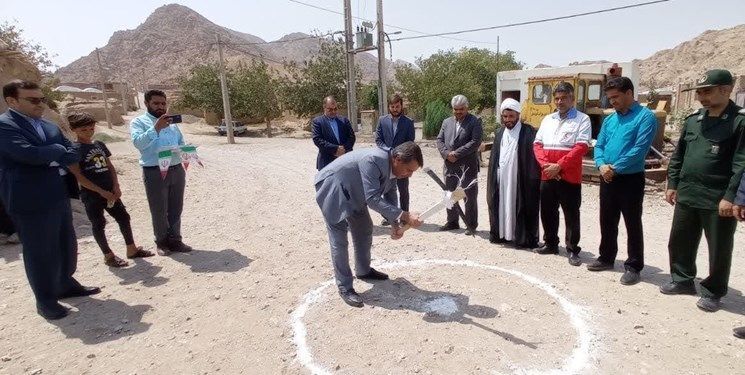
(678, 288)
(385, 223)
(574, 259)
(449, 226)
(708, 304)
(470, 232)
(739, 332)
(351, 298)
(597, 265)
(179, 247)
(630, 277)
(81, 292)
(163, 248)
(52, 311)
(546, 250)
(373, 275)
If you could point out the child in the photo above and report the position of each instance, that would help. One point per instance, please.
(100, 189)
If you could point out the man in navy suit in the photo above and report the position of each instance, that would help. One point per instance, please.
(33, 154)
(333, 135)
(393, 130)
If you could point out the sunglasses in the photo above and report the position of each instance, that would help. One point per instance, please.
(34, 100)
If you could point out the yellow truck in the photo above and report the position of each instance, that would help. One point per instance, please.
(534, 89)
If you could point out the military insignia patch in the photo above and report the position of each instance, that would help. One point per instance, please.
(702, 79)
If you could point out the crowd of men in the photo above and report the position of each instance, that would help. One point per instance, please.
(40, 170)
(533, 173)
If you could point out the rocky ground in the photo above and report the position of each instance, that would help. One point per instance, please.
(254, 297)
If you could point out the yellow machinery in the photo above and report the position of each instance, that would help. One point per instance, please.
(590, 99)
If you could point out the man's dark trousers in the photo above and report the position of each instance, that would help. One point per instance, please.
(555, 193)
(685, 235)
(623, 195)
(50, 251)
(165, 196)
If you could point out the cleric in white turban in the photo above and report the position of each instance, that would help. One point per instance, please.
(513, 182)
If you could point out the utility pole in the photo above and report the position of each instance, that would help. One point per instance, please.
(103, 89)
(349, 49)
(125, 90)
(497, 95)
(225, 97)
(382, 93)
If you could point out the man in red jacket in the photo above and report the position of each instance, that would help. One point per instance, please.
(562, 140)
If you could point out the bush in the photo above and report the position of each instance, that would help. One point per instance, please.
(436, 112)
(489, 125)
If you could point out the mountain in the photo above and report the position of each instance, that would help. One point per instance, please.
(686, 62)
(174, 38)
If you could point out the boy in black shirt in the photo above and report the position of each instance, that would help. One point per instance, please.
(100, 189)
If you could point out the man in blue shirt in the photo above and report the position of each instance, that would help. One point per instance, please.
(151, 133)
(332, 134)
(622, 146)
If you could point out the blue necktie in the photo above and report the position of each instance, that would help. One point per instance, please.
(335, 128)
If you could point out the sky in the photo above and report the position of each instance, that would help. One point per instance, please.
(72, 29)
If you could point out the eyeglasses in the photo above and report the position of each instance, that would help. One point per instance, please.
(34, 100)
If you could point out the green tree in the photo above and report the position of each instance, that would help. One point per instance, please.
(368, 96)
(322, 75)
(12, 35)
(200, 88)
(255, 93)
(436, 112)
(469, 71)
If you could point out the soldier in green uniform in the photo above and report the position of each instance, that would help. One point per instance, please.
(703, 177)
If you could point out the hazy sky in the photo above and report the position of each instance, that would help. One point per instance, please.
(71, 29)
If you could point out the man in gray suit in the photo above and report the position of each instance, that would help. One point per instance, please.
(458, 143)
(345, 189)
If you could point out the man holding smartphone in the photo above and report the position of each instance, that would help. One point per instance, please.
(151, 133)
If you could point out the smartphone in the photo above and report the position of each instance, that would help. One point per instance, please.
(175, 119)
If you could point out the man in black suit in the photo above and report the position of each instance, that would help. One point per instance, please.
(458, 143)
(393, 130)
(332, 134)
(33, 155)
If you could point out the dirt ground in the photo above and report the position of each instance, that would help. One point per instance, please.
(255, 298)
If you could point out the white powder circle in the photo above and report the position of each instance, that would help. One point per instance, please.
(445, 306)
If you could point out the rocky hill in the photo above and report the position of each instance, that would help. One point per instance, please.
(687, 61)
(175, 38)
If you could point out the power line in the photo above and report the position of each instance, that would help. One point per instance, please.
(233, 48)
(393, 26)
(285, 41)
(530, 22)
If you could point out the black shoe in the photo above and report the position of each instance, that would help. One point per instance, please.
(630, 277)
(708, 304)
(351, 298)
(81, 292)
(385, 223)
(470, 232)
(52, 312)
(163, 248)
(739, 332)
(597, 265)
(678, 288)
(496, 239)
(546, 250)
(373, 275)
(179, 247)
(449, 226)
(574, 259)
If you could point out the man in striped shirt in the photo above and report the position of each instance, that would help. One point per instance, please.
(562, 140)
